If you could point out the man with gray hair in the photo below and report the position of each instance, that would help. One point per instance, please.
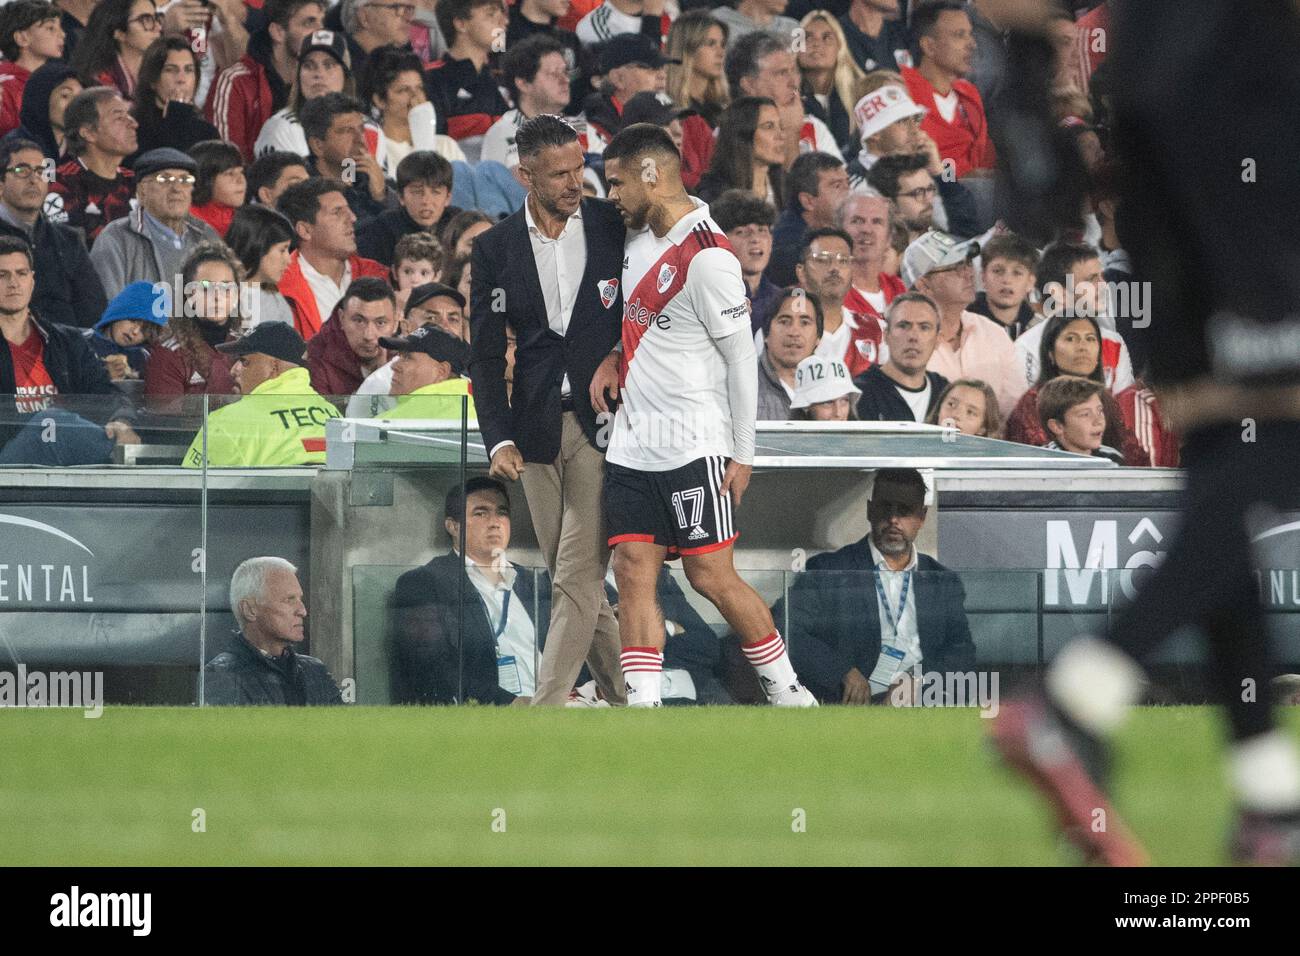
(261, 667)
(868, 218)
(371, 23)
(761, 64)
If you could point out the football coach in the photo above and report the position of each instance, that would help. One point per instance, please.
(551, 273)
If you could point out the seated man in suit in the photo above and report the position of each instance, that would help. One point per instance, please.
(864, 620)
(501, 643)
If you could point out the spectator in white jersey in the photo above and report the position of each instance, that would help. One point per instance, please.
(682, 445)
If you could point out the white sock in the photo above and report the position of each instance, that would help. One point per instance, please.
(769, 658)
(642, 671)
(1095, 683)
(1265, 772)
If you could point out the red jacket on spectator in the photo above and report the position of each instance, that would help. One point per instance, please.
(697, 149)
(1141, 412)
(215, 214)
(172, 373)
(1023, 426)
(966, 139)
(334, 367)
(295, 288)
(239, 103)
(13, 79)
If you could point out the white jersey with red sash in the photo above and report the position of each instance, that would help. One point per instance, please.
(681, 292)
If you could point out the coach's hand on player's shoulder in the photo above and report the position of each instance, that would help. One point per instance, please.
(857, 689)
(507, 463)
(605, 380)
(736, 480)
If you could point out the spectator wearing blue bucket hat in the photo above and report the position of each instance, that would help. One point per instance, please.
(130, 325)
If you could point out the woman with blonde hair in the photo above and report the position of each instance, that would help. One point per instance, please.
(698, 82)
(830, 78)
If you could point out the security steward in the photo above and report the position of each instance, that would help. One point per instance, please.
(280, 420)
(428, 378)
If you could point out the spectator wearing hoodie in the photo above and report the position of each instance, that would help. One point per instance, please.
(46, 96)
(348, 347)
(68, 291)
(128, 329)
(248, 92)
(30, 36)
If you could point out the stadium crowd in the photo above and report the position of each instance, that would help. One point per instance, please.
(175, 176)
(280, 206)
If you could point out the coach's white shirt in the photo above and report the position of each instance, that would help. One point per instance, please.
(560, 265)
(519, 639)
(908, 638)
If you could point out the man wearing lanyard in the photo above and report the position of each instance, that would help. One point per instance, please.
(860, 635)
(497, 663)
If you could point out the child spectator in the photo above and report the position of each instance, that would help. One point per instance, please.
(130, 325)
(220, 187)
(459, 234)
(1008, 265)
(30, 36)
(1071, 409)
(260, 237)
(970, 406)
(417, 260)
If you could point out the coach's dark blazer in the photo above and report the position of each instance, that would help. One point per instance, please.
(425, 653)
(505, 290)
(835, 623)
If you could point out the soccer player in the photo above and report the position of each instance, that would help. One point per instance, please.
(682, 444)
(1220, 256)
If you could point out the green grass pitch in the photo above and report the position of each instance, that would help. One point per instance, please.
(677, 786)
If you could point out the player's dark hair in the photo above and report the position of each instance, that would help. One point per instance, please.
(795, 292)
(1047, 367)
(523, 60)
(214, 157)
(1058, 260)
(454, 504)
(641, 139)
(369, 289)
(18, 16)
(884, 175)
(740, 207)
(805, 174)
(826, 231)
(426, 167)
(543, 132)
(268, 168)
(318, 113)
(301, 201)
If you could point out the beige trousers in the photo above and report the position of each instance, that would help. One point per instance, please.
(564, 500)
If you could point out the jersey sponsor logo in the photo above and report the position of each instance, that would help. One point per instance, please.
(608, 291)
(638, 314)
(667, 274)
